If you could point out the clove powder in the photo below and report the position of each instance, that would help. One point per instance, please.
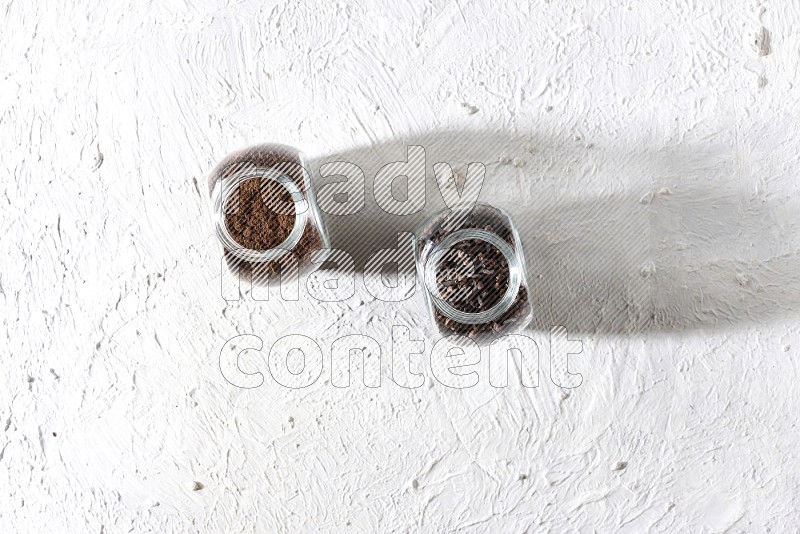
(259, 214)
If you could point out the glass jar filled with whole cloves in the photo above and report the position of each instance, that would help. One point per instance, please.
(471, 263)
(264, 211)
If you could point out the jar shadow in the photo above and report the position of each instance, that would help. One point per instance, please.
(617, 240)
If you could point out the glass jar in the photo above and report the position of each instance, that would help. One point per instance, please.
(471, 263)
(264, 211)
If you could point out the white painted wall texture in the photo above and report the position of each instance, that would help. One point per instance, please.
(647, 149)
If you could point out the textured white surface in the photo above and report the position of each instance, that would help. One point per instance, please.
(654, 175)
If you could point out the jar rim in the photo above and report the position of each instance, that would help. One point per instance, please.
(514, 278)
(223, 190)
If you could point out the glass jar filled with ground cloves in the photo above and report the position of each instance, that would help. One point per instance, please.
(264, 211)
(471, 263)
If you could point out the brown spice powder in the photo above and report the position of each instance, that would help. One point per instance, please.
(256, 226)
(260, 214)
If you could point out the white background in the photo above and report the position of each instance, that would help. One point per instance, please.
(655, 187)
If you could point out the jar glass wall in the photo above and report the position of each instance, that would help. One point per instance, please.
(264, 211)
(472, 268)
